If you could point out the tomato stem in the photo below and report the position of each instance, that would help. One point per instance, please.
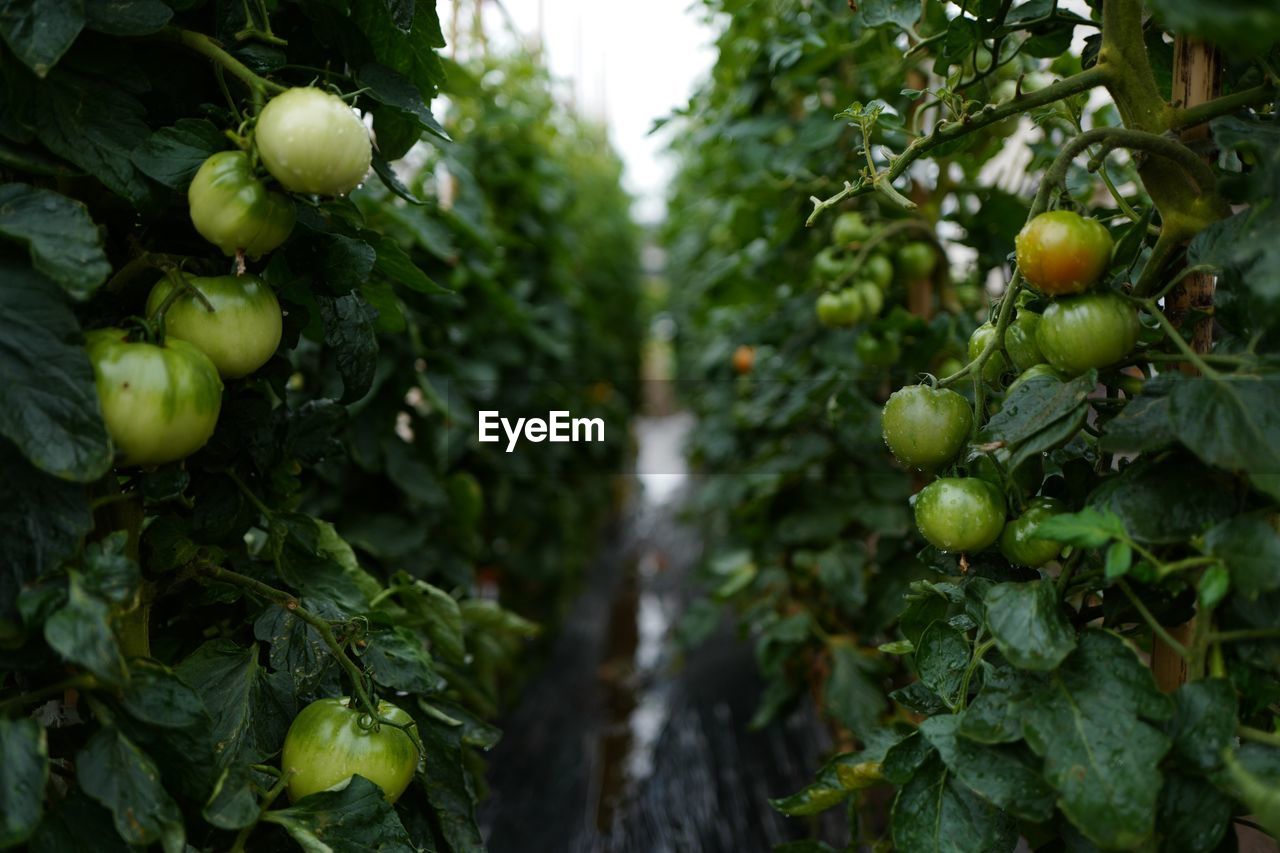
(207, 47)
(1154, 624)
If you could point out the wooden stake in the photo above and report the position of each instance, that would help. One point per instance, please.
(1196, 67)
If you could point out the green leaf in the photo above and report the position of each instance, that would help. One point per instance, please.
(1042, 413)
(62, 238)
(448, 784)
(41, 526)
(109, 573)
(1086, 721)
(1250, 547)
(1089, 528)
(935, 811)
(1261, 794)
(1144, 423)
(1119, 558)
(80, 632)
(1232, 423)
(852, 691)
(95, 124)
(995, 715)
(395, 91)
(126, 17)
(399, 268)
(113, 771)
(39, 32)
(1203, 722)
(357, 817)
(399, 659)
(942, 656)
(1009, 777)
(833, 783)
(48, 400)
(904, 758)
(1167, 499)
(173, 155)
(1213, 586)
(348, 330)
(77, 823)
(251, 709)
(437, 612)
(1242, 28)
(23, 775)
(1028, 624)
(297, 649)
(1193, 816)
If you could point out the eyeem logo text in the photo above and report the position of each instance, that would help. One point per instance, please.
(558, 427)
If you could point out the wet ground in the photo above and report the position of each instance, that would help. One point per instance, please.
(626, 742)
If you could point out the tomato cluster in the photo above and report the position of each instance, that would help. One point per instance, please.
(160, 385)
(1063, 256)
(858, 270)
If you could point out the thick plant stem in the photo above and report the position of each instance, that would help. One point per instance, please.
(205, 46)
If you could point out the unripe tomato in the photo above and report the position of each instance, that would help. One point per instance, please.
(872, 298)
(960, 513)
(466, 497)
(878, 270)
(1083, 332)
(949, 367)
(995, 366)
(239, 335)
(234, 211)
(160, 403)
(852, 308)
(1034, 371)
(829, 306)
(312, 142)
(828, 265)
(1020, 340)
(744, 359)
(1018, 541)
(326, 746)
(926, 427)
(849, 228)
(915, 261)
(1061, 252)
(876, 352)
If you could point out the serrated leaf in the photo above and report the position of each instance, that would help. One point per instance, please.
(1009, 777)
(1028, 625)
(63, 240)
(113, 771)
(935, 811)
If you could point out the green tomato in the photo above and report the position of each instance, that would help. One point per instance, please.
(1020, 340)
(926, 427)
(995, 366)
(1033, 372)
(876, 352)
(849, 228)
(326, 746)
(828, 265)
(312, 142)
(1084, 332)
(852, 308)
(1061, 252)
(915, 261)
(960, 513)
(829, 307)
(878, 270)
(1018, 541)
(949, 367)
(160, 403)
(872, 298)
(466, 497)
(239, 335)
(234, 211)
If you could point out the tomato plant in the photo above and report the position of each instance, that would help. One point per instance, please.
(1104, 157)
(192, 560)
